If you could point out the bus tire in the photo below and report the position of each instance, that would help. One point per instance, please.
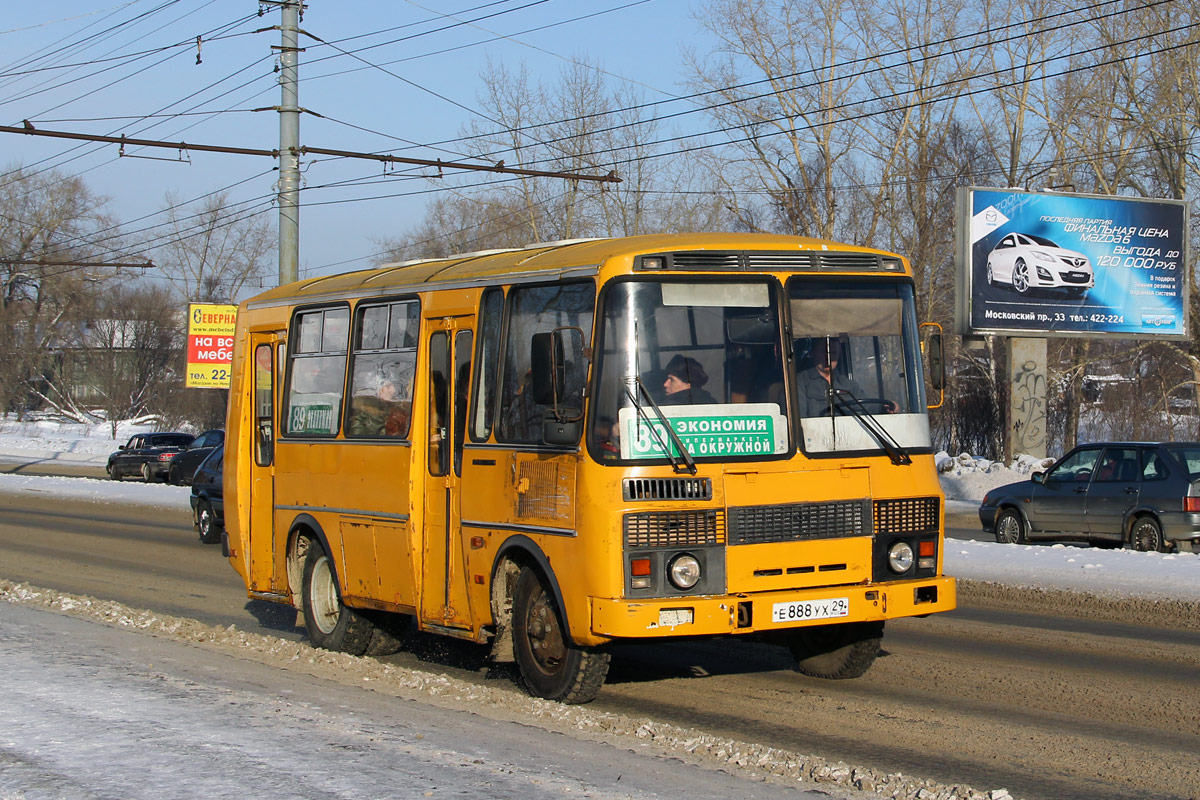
(551, 666)
(329, 623)
(389, 631)
(841, 650)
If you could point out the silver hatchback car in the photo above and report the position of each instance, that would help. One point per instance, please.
(1142, 494)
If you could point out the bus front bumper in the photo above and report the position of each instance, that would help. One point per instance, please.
(769, 611)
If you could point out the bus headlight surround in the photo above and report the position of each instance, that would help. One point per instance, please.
(683, 571)
(900, 557)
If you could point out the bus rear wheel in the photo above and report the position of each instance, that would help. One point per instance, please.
(844, 650)
(330, 624)
(551, 665)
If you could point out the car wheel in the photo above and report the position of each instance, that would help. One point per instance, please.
(551, 665)
(206, 523)
(991, 278)
(330, 624)
(1010, 528)
(173, 476)
(1146, 536)
(147, 475)
(113, 472)
(1020, 276)
(840, 650)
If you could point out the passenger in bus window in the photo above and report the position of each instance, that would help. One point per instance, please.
(380, 406)
(822, 383)
(684, 382)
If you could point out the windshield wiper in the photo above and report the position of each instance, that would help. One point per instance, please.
(895, 451)
(689, 463)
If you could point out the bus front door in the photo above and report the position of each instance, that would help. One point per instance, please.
(444, 600)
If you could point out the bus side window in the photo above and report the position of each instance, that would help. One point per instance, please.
(317, 372)
(264, 410)
(439, 404)
(487, 358)
(537, 309)
(381, 375)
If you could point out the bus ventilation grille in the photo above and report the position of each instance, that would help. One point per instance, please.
(666, 489)
(796, 522)
(857, 262)
(674, 528)
(778, 260)
(910, 515)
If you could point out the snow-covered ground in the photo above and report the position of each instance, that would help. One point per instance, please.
(964, 479)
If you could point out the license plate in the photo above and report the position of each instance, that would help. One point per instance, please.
(811, 609)
(670, 617)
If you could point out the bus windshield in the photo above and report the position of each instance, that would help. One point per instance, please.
(858, 377)
(704, 357)
(703, 354)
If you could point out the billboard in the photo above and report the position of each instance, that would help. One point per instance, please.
(209, 345)
(1053, 264)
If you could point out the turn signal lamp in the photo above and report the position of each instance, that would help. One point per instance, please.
(1191, 504)
(927, 552)
(639, 570)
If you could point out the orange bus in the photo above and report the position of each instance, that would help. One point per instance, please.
(559, 448)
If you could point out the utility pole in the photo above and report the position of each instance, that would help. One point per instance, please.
(289, 143)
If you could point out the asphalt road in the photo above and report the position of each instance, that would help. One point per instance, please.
(1047, 706)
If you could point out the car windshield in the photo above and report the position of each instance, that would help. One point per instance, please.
(169, 440)
(1042, 240)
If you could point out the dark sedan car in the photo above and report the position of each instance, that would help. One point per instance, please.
(146, 454)
(208, 497)
(1142, 494)
(183, 465)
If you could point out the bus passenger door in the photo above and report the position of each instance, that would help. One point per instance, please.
(260, 537)
(444, 585)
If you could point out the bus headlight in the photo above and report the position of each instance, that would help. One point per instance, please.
(684, 571)
(900, 557)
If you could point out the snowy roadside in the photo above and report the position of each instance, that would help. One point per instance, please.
(127, 695)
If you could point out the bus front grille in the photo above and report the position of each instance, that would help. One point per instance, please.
(674, 528)
(794, 522)
(907, 515)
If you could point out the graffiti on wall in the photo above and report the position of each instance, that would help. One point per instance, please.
(1027, 409)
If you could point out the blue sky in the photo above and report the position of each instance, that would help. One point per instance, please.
(433, 85)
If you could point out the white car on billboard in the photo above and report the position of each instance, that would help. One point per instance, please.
(1025, 262)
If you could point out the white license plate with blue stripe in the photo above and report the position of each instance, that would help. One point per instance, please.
(829, 608)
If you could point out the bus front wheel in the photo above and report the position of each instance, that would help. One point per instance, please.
(551, 665)
(843, 650)
(330, 624)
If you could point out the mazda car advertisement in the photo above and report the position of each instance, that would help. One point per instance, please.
(1049, 263)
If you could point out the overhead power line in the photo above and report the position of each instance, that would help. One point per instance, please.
(29, 130)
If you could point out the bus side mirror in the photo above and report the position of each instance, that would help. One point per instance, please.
(935, 362)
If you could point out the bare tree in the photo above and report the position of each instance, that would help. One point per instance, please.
(47, 223)
(131, 352)
(781, 85)
(577, 124)
(216, 249)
